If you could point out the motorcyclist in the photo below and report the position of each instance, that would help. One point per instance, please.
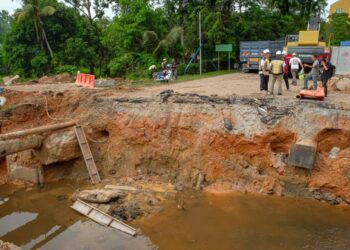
(164, 67)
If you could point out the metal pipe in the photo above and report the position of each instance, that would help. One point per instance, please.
(8, 147)
(37, 130)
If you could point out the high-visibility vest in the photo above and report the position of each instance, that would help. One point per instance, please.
(266, 64)
(277, 67)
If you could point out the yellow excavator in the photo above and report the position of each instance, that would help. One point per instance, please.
(307, 43)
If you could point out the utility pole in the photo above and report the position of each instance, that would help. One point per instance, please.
(200, 43)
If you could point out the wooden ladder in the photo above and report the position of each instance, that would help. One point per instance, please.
(89, 159)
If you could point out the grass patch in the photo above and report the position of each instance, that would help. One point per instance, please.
(183, 78)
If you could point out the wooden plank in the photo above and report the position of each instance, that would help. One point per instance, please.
(102, 218)
(87, 155)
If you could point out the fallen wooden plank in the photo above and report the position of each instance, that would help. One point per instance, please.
(102, 218)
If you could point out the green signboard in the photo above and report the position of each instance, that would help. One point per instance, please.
(223, 48)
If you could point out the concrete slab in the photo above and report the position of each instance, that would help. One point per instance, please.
(302, 156)
(26, 174)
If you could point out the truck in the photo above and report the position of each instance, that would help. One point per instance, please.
(251, 52)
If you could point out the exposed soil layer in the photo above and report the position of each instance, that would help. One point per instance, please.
(217, 143)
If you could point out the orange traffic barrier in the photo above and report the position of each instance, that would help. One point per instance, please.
(85, 80)
(312, 94)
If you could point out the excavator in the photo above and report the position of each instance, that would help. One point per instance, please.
(307, 43)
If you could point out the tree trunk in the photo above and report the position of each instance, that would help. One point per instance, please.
(47, 43)
(44, 38)
(92, 68)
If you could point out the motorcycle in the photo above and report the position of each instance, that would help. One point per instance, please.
(164, 76)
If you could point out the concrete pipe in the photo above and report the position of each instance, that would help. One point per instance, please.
(8, 147)
(38, 130)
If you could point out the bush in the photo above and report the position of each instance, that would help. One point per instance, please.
(39, 62)
(191, 70)
(72, 70)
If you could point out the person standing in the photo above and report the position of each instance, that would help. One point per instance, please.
(295, 62)
(164, 67)
(173, 68)
(264, 70)
(286, 68)
(313, 75)
(277, 73)
(327, 73)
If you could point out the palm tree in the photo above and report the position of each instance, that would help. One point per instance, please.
(34, 10)
(168, 43)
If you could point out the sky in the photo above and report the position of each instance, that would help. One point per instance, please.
(11, 5)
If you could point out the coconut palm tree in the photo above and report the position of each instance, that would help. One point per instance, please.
(34, 10)
(167, 43)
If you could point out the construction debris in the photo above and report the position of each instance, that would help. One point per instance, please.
(102, 218)
(100, 195)
(9, 80)
(302, 156)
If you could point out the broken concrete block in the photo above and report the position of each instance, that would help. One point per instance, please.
(8, 246)
(334, 152)
(100, 195)
(60, 146)
(302, 156)
(105, 82)
(8, 80)
(23, 166)
(25, 174)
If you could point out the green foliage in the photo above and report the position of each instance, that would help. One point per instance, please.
(5, 23)
(49, 36)
(39, 62)
(120, 65)
(71, 69)
(337, 29)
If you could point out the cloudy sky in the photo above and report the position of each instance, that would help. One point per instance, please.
(11, 5)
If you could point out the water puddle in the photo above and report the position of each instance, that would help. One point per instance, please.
(248, 222)
(15, 220)
(42, 218)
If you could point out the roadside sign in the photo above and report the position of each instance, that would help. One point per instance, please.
(223, 48)
(345, 43)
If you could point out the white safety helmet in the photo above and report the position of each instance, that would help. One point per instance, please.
(278, 53)
(266, 51)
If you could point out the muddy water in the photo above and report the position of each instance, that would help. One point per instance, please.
(42, 218)
(249, 222)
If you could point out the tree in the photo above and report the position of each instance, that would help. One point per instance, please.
(91, 9)
(150, 38)
(337, 29)
(33, 11)
(5, 23)
(94, 11)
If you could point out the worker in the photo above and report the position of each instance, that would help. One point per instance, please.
(164, 67)
(286, 60)
(276, 67)
(264, 70)
(295, 62)
(327, 73)
(173, 68)
(313, 75)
